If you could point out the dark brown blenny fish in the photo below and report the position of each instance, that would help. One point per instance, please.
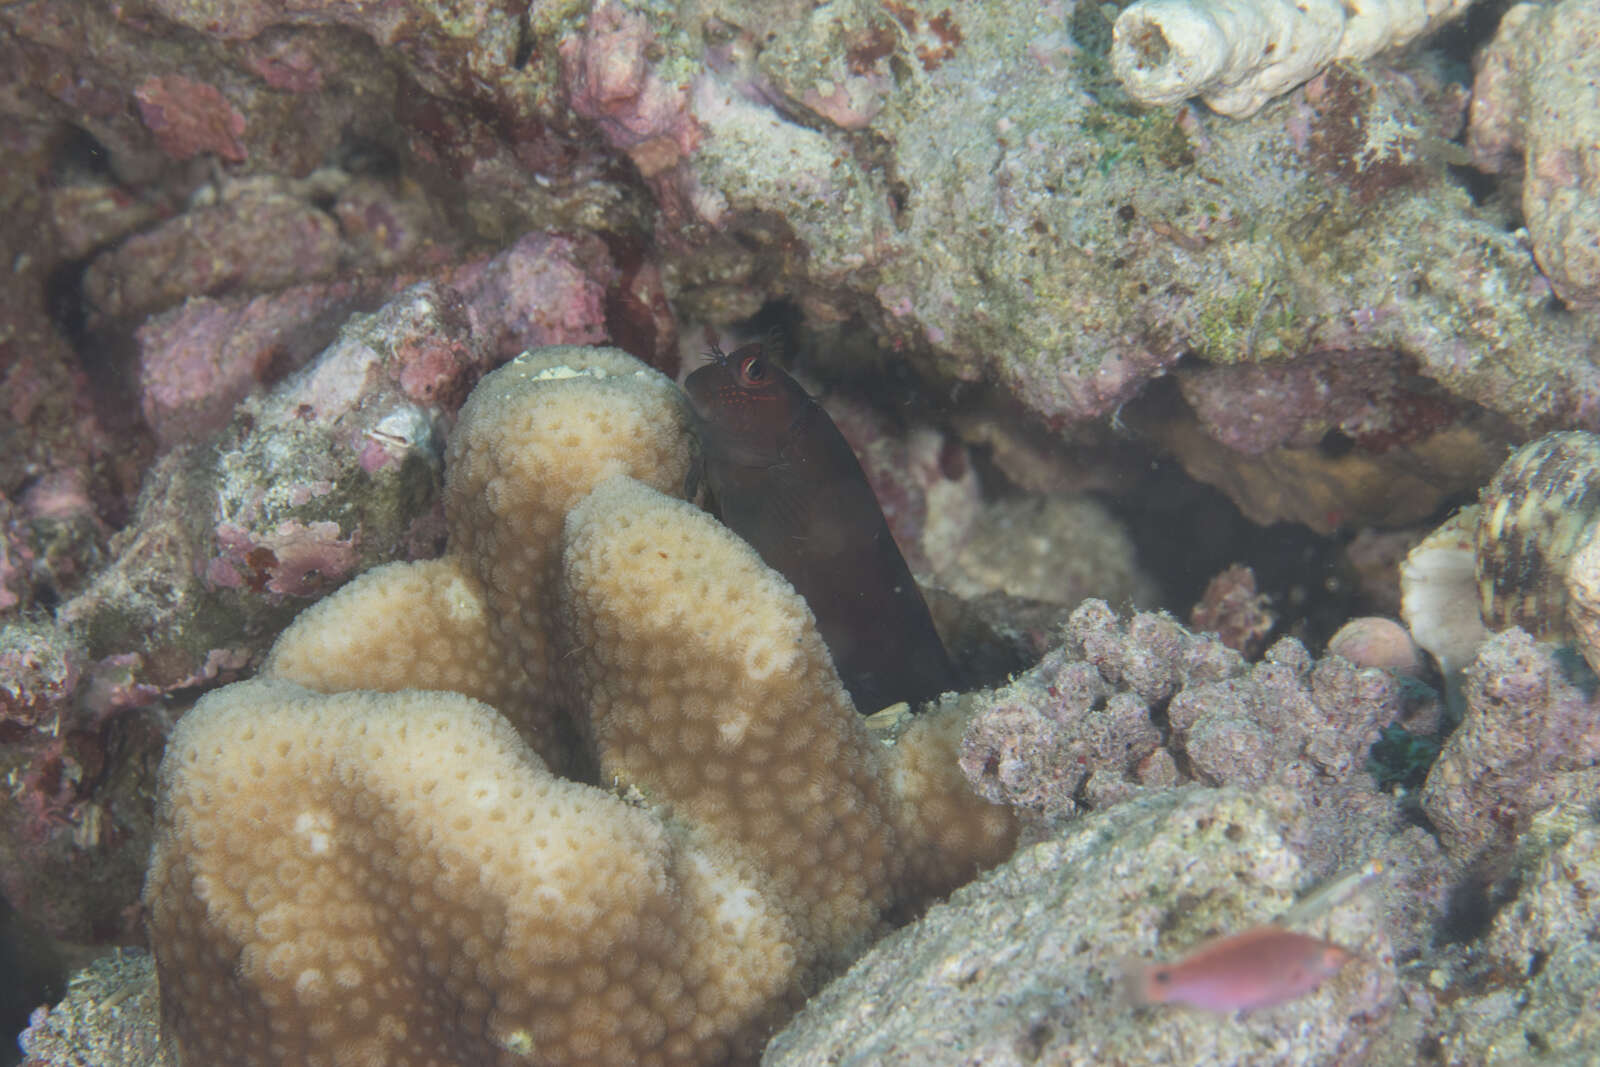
(783, 477)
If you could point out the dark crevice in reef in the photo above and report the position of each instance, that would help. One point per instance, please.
(1460, 40)
(33, 971)
(1186, 532)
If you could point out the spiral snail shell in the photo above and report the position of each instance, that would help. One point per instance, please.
(1525, 555)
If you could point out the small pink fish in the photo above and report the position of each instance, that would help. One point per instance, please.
(1260, 967)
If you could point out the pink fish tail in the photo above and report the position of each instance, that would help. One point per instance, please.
(1132, 982)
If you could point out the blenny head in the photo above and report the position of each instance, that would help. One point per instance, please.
(743, 401)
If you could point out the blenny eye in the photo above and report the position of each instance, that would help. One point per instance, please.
(753, 370)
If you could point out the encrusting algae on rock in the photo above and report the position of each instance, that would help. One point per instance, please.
(354, 866)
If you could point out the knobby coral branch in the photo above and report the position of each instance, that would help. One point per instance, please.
(359, 860)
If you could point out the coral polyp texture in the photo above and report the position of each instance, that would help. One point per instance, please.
(261, 252)
(534, 438)
(1238, 54)
(356, 865)
(758, 703)
(397, 878)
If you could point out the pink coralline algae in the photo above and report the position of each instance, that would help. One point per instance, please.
(1306, 723)
(190, 117)
(284, 63)
(436, 371)
(200, 359)
(1085, 712)
(923, 479)
(322, 221)
(289, 498)
(547, 288)
(331, 470)
(294, 559)
(89, 215)
(1372, 132)
(51, 538)
(613, 82)
(1333, 438)
(262, 239)
(1372, 397)
(1235, 611)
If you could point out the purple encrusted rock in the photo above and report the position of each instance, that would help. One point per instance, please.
(1529, 739)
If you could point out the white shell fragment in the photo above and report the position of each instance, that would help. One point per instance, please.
(1439, 594)
(1238, 54)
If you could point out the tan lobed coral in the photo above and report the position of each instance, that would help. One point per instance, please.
(397, 877)
(373, 878)
(534, 438)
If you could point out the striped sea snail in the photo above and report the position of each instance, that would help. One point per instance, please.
(1527, 554)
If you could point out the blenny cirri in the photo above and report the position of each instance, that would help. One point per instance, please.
(783, 478)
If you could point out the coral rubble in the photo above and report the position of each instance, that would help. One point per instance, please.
(333, 469)
(1232, 609)
(1123, 707)
(107, 1018)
